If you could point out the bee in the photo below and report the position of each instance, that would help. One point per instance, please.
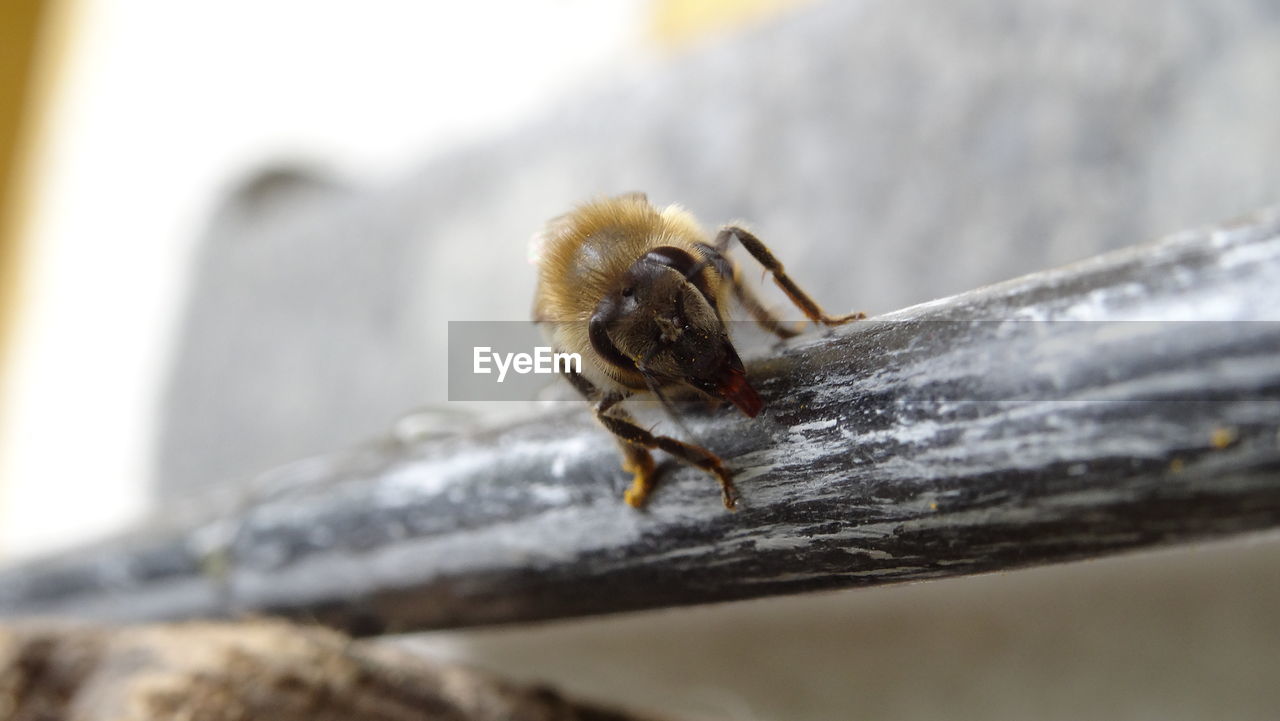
(643, 296)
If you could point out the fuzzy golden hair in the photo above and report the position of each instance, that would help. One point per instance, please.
(585, 256)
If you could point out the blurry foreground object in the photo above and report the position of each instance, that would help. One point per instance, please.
(253, 670)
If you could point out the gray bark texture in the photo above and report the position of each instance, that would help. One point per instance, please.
(1123, 402)
(253, 670)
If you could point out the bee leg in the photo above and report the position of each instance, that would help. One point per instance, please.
(635, 459)
(639, 463)
(580, 383)
(620, 424)
(746, 297)
(761, 253)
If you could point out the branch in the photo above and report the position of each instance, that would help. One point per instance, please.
(1124, 402)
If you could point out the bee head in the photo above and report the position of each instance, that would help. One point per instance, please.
(661, 323)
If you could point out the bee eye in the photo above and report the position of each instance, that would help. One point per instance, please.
(627, 292)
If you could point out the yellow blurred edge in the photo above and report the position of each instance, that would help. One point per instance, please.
(33, 35)
(678, 23)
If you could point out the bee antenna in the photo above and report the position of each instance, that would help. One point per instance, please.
(670, 409)
(667, 405)
(696, 269)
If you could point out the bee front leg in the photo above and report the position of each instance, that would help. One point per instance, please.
(639, 463)
(620, 424)
(635, 459)
(761, 253)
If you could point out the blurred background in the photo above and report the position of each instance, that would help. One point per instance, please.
(232, 234)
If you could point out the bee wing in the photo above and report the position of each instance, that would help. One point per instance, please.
(538, 243)
(537, 247)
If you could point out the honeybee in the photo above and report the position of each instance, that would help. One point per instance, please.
(643, 297)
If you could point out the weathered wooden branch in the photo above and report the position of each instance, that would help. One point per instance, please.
(257, 670)
(1124, 402)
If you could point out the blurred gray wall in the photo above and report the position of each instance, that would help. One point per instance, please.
(891, 152)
